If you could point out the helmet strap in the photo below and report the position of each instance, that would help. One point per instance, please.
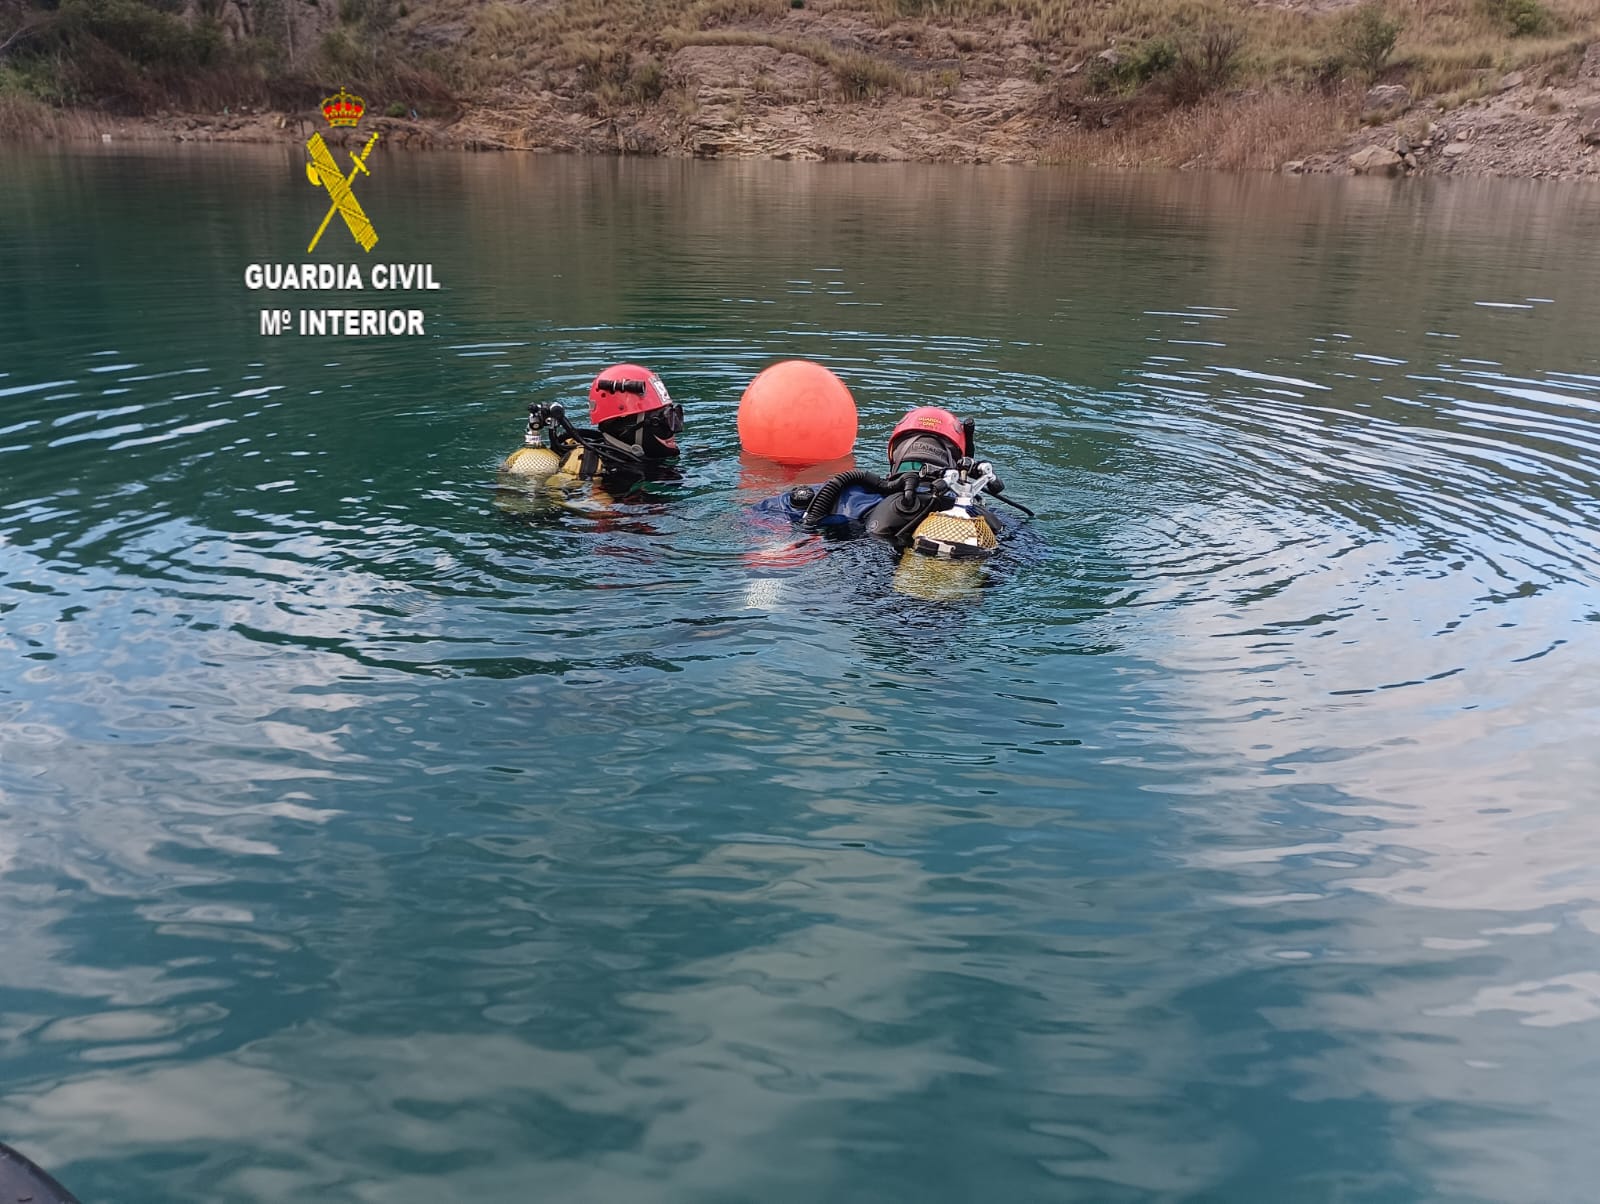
(632, 449)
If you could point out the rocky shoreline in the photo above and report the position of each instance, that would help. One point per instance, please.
(1530, 128)
(764, 101)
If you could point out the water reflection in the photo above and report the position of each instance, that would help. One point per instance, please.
(368, 842)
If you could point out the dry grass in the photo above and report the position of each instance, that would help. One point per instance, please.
(859, 75)
(1072, 28)
(24, 119)
(1447, 43)
(504, 38)
(599, 38)
(1437, 36)
(612, 54)
(1253, 133)
(1434, 70)
(1443, 45)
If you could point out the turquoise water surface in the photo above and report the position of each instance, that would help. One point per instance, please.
(371, 833)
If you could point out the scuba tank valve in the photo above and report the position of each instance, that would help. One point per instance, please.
(533, 458)
(959, 531)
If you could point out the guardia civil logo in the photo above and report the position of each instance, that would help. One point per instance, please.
(341, 109)
(345, 318)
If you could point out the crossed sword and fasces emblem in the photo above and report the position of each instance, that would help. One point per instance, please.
(324, 171)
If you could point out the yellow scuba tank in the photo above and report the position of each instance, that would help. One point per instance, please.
(532, 473)
(936, 578)
(960, 531)
(531, 461)
(942, 562)
(956, 534)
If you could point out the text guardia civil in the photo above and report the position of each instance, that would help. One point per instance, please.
(343, 319)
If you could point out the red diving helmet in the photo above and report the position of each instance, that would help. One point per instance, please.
(625, 389)
(923, 434)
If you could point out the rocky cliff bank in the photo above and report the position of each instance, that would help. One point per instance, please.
(1535, 125)
(1385, 87)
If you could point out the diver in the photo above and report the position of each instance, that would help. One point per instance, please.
(633, 436)
(928, 503)
(23, 1179)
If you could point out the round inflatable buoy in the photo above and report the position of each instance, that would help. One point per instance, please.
(797, 412)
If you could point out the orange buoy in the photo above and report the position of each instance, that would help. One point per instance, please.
(797, 412)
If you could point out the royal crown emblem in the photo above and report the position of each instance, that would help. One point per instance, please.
(343, 108)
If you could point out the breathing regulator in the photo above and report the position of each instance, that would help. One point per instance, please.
(959, 530)
(535, 457)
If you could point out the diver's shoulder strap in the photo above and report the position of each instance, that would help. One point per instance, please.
(582, 461)
(585, 462)
(589, 453)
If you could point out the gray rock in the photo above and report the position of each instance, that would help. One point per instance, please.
(1387, 96)
(1294, 167)
(1588, 123)
(1591, 63)
(1376, 161)
(1513, 79)
(1456, 149)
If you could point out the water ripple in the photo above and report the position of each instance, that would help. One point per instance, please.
(375, 832)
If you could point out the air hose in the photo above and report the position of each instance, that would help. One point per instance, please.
(608, 451)
(827, 494)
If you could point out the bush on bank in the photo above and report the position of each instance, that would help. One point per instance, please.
(139, 56)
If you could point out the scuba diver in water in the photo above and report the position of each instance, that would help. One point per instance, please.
(632, 438)
(23, 1179)
(929, 502)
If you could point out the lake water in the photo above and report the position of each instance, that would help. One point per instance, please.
(372, 835)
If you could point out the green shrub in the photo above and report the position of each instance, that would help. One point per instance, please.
(1153, 58)
(1186, 70)
(601, 67)
(372, 16)
(345, 57)
(1148, 61)
(1327, 70)
(1365, 36)
(646, 82)
(396, 109)
(1101, 77)
(141, 33)
(1523, 18)
(861, 76)
(1204, 64)
(40, 79)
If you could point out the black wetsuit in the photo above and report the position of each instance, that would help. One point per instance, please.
(865, 504)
